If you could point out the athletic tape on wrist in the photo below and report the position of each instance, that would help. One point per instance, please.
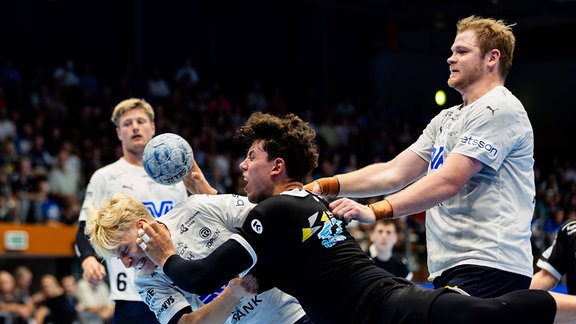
(382, 209)
(329, 186)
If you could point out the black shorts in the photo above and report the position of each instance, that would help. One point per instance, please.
(127, 311)
(482, 281)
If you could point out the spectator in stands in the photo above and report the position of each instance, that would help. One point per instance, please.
(384, 236)
(65, 185)
(23, 278)
(50, 210)
(9, 302)
(57, 307)
(25, 185)
(9, 207)
(94, 301)
(255, 98)
(187, 77)
(8, 128)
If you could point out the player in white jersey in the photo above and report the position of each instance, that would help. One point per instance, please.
(471, 170)
(198, 226)
(134, 120)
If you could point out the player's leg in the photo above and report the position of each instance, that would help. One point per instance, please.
(523, 306)
(566, 308)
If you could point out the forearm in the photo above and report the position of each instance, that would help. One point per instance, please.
(382, 178)
(418, 197)
(543, 280)
(436, 187)
(217, 311)
(365, 182)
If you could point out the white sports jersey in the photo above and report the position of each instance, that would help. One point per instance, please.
(130, 179)
(487, 223)
(198, 226)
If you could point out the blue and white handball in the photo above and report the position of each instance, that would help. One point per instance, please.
(168, 158)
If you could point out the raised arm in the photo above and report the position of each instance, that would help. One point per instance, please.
(196, 183)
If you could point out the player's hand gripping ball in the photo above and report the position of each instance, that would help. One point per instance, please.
(168, 158)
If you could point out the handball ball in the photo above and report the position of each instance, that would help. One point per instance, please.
(168, 158)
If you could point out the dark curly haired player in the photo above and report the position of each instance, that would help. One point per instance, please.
(290, 240)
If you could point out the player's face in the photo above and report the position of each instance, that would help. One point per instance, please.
(257, 172)
(135, 130)
(384, 236)
(132, 255)
(466, 62)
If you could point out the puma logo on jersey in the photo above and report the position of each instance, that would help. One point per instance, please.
(492, 109)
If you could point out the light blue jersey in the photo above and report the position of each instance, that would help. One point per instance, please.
(487, 223)
(198, 226)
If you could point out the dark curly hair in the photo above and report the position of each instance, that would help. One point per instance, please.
(287, 137)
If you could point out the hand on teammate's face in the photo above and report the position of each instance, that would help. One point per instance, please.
(158, 242)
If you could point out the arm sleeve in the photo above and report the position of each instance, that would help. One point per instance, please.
(82, 245)
(204, 276)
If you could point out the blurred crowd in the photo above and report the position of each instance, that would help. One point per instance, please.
(59, 299)
(55, 132)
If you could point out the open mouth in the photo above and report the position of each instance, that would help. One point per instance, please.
(140, 264)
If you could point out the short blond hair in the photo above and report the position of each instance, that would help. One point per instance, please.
(129, 104)
(492, 34)
(107, 226)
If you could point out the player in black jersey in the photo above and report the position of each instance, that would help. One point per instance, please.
(290, 240)
(558, 260)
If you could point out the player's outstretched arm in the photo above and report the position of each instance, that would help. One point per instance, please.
(373, 180)
(199, 276)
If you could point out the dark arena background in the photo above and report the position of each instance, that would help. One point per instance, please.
(384, 58)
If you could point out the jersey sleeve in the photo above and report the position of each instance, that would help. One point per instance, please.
(555, 257)
(82, 245)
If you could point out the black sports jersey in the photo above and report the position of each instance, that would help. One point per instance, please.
(293, 242)
(305, 251)
(560, 258)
